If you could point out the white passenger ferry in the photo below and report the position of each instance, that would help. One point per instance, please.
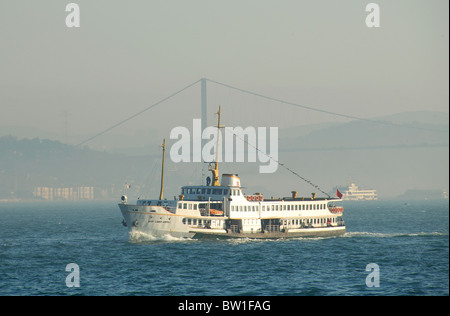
(224, 210)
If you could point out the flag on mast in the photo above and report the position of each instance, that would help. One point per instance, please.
(339, 194)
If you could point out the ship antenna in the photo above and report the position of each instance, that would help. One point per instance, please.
(215, 170)
(162, 169)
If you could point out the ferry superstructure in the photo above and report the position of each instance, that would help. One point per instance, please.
(223, 210)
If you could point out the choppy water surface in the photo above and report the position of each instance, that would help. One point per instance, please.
(409, 242)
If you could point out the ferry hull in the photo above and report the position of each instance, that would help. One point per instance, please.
(299, 233)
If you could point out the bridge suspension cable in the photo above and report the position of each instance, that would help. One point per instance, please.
(264, 97)
(137, 114)
(326, 111)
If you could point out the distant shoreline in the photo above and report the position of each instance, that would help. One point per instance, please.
(55, 201)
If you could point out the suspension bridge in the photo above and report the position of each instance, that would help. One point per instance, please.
(203, 82)
(204, 109)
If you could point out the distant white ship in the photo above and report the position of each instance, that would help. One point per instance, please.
(353, 193)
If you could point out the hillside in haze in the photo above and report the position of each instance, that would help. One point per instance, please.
(29, 163)
(383, 156)
(419, 129)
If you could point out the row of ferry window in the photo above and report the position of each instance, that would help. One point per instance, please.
(195, 206)
(277, 207)
(194, 221)
(204, 191)
(306, 221)
(210, 191)
(187, 206)
(201, 222)
(253, 208)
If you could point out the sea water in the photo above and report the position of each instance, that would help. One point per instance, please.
(408, 242)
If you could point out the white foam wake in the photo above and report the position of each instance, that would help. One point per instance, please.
(141, 237)
(391, 235)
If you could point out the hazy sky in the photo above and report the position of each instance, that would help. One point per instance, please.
(128, 55)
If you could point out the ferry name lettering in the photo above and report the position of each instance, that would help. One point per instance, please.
(159, 221)
(256, 140)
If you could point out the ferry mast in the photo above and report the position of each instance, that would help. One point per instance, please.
(162, 170)
(215, 169)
